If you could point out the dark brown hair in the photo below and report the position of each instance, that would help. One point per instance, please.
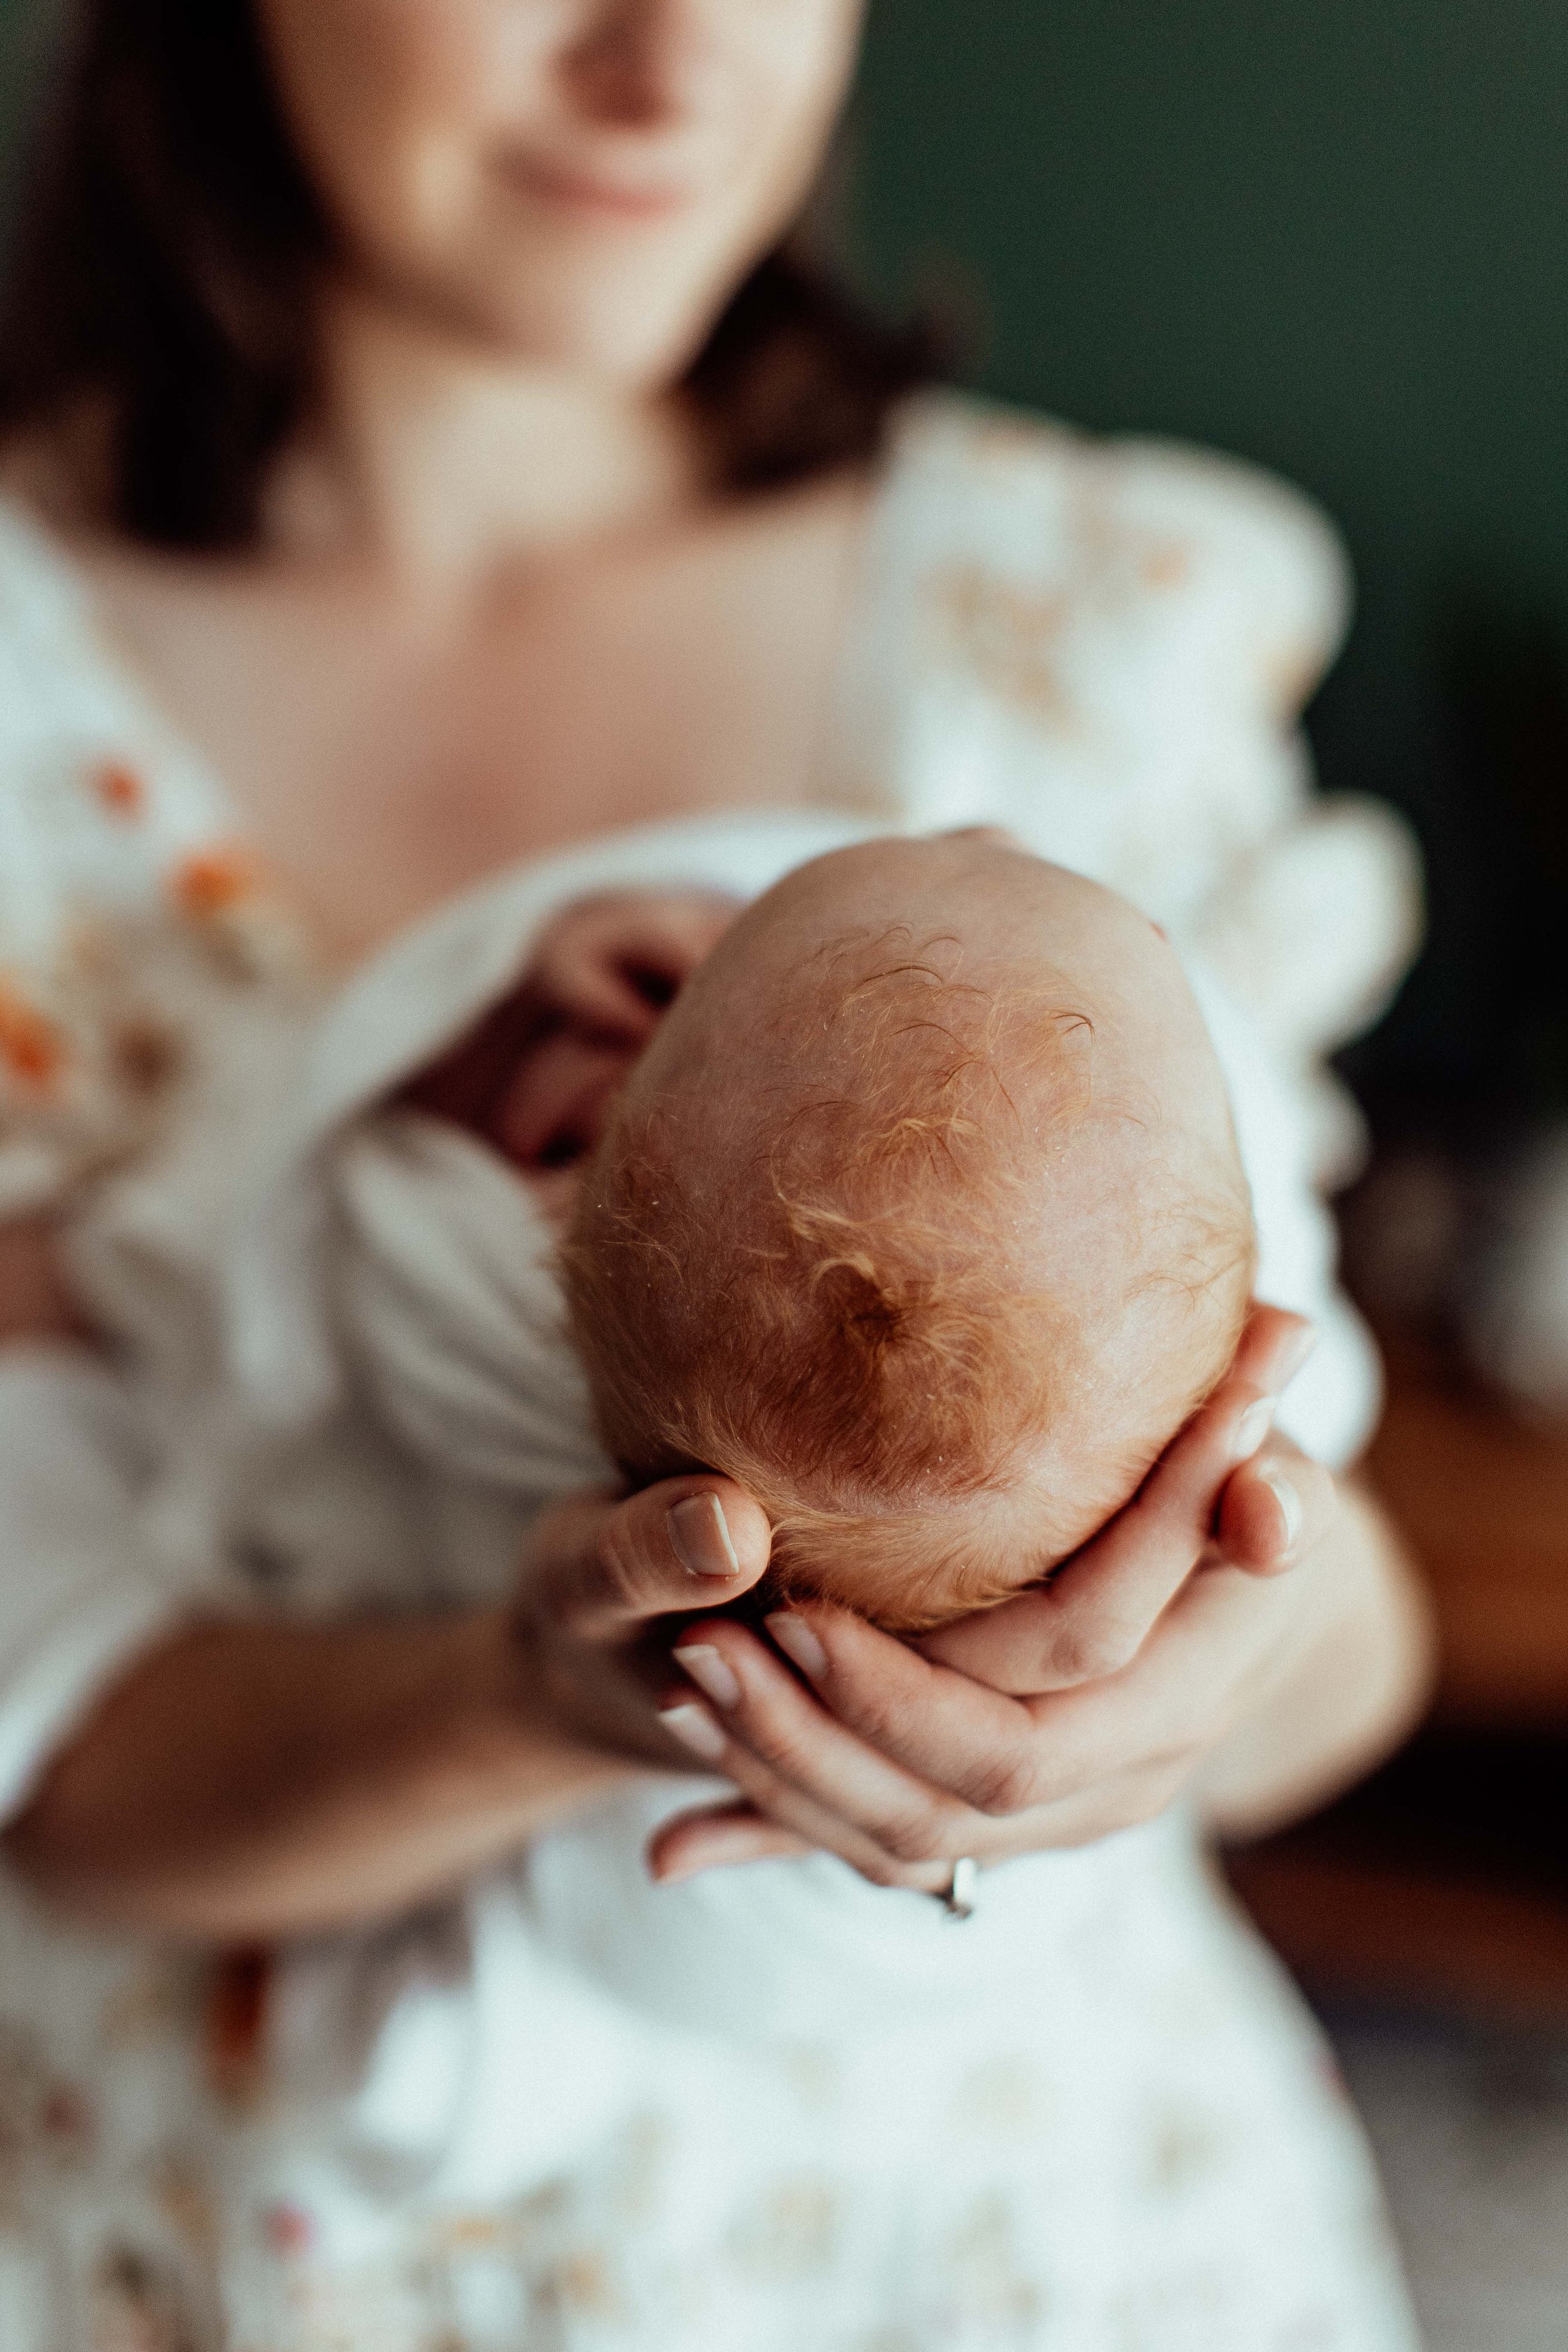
(163, 283)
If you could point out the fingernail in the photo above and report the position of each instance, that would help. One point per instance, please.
(701, 1538)
(1284, 1495)
(799, 1644)
(695, 1729)
(1252, 1429)
(709, 1672)
(1293, 1356)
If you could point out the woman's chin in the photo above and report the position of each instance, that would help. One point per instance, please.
(614, 324)
(614, 336)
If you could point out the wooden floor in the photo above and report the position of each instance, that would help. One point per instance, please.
(1383, 1933)
(1483, 1499)
(1444, 1884)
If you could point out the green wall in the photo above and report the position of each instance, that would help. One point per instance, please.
(1330, 234)
(27, 30)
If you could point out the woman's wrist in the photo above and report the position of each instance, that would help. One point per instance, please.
(509, 1724)
(258, 1780)
(1353, 1683)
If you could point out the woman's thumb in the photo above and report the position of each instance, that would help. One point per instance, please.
(692, 1542)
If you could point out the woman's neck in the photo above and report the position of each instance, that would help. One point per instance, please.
(440, 460)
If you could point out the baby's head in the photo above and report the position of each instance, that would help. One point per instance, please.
(922, 1218)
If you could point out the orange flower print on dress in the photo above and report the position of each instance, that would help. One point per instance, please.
(213, 882)
(33, 1051)
(1006, 636)
(121, 790)
(229, 897)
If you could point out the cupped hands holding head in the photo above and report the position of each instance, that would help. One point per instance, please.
(1233, 1635)
(1227, 1636)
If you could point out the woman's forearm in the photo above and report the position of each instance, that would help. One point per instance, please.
(253, 1780)
(1352, 1692)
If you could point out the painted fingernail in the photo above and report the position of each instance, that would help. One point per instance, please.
(799, 1644)
(709, 1672)
(701, 1537)
(1290, 1502)
(695, 1729)
(1252, 1429)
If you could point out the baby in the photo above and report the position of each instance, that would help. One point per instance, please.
(922, 1216)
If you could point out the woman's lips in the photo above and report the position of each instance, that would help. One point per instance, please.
(593, 195)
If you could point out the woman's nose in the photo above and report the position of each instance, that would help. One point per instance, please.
(638, 63)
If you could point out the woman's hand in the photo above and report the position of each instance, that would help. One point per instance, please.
(602, 1582)
(1080, 1708)
(254, 1780)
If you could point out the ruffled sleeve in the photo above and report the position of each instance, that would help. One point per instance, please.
(1105, 647)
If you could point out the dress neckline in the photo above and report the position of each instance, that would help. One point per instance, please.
(59, 608)
(85, 642)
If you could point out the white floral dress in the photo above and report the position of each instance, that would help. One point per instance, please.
(1104, 647)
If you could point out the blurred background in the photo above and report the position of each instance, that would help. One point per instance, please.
(1331, 238)
(1334, 238)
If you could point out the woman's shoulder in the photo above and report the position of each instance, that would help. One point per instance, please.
(1183, 540)
(1106, 645)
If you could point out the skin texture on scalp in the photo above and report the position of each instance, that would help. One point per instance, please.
(922, 1218)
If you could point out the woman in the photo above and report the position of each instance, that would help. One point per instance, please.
(412, 420)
